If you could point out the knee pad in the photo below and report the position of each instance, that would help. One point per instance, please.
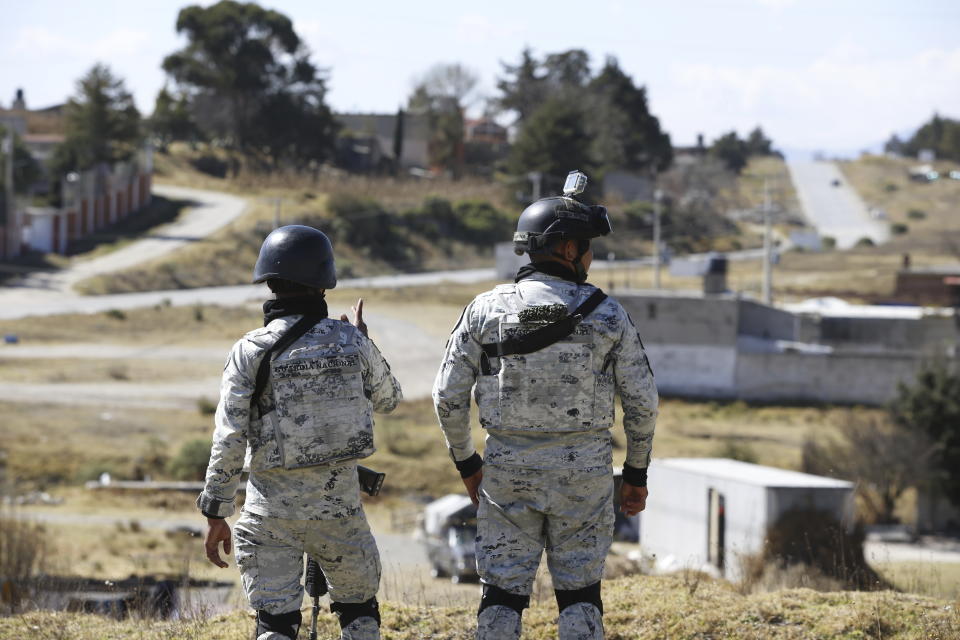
(493, 596)
(589, 594)
(286, 624)
(347, 612)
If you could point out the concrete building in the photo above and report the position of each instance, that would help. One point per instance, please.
(367, 141)
(931, 285)
(709, 513)
(91, 199)
(729, 347)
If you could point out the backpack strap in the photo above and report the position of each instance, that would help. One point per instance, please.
(287, 338)
(547, 335)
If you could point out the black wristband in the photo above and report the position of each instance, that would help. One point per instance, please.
(634, 476)
(469, 466)
(212, 517)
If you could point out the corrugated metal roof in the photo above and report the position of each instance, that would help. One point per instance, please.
(755, 474)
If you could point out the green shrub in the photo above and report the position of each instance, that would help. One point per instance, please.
(865, 242)
(916, 214)
(210, 165)
(115, 314)
(482, 223)
(828, 243)
(890, 187)
(899, 228)
(190, 463)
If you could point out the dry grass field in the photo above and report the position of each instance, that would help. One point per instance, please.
(675, 607)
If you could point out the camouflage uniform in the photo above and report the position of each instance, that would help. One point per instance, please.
(303, 493)
(547, 481)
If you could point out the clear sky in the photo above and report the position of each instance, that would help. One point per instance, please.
(834, 75)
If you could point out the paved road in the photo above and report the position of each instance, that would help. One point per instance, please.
(835, 211)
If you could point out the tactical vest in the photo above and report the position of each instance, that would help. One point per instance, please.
(321, 414)
(562, 387)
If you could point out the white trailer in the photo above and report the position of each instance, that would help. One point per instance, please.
(706, 513)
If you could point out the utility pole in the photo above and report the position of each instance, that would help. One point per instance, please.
(657, 197)
(10, 227)
(535, 178)
(767, 247)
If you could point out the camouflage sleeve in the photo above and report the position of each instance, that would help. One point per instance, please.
(638, 393)
(230, 431)
(451, 390)
(379, 383)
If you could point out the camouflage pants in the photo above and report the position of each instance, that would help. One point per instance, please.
(523, 511)
(270, 556)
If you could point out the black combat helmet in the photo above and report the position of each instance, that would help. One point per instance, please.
(297, 253)
(560, 218)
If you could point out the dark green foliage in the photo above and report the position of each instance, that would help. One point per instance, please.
(899, 228)
(759, 144)
(251, 84)
(190, 463)
(865, 242)
(931, 405)
(522, 87)
(367, 226)
(210, 165)
(626, 135)
(172, 119)
(941, 135)
(398, 140)
(916, 214)
(26, 170)
(731, 150)
(470, 221)
(102, 124)
(569, 119)
(553, 140)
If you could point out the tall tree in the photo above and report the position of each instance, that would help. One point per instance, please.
(172, 119)
(931, 406)
(758, 144)
(102, 123)
(251, 81)
(554, 140)
(731, 150)
(443, 93)
(522, 87)
(626, 135)
(942, 135)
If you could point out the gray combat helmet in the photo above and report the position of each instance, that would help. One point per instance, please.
(560, 218)
(297, 253)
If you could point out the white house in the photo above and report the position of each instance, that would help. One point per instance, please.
(705, 513)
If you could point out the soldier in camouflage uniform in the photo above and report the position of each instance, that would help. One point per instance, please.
(302, 437)
(546, 473)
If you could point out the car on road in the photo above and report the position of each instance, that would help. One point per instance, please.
(449, 532)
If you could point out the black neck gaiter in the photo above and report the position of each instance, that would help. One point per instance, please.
(550, 268)
(301, 306)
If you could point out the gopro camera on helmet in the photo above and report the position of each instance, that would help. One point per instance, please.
(576, 183)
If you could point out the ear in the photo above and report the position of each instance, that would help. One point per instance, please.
(570, 250)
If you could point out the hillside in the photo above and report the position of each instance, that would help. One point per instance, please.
(675, 607)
